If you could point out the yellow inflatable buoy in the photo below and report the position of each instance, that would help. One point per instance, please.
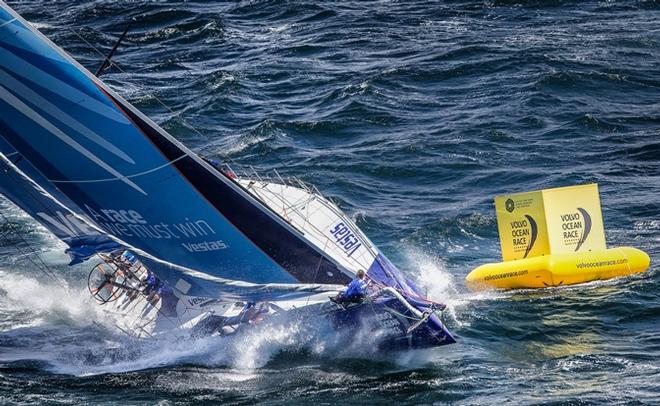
(559, 269)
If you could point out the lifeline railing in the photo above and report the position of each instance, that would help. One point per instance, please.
(248, 173)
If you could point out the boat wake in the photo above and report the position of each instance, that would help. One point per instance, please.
(65, 331)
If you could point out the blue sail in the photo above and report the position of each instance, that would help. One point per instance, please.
(194, 283)
(199, 229)
(30, 172)
(131, 178)
(140, 185)
(85, 239)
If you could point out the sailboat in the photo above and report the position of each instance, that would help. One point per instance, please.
(226, 247)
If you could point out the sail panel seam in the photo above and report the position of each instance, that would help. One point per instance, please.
(8, 22)
(166, 164)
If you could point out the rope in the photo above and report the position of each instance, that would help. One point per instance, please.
(318, 266)
(162, 103)
(31, 194)
(41, 265)
(182, 120)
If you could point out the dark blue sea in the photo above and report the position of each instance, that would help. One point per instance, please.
(411, 115)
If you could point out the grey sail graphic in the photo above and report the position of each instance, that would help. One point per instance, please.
(534, 233)
(587, 227)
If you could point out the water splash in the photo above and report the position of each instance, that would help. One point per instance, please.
(63, 327)
(433, 277)
(44, 299)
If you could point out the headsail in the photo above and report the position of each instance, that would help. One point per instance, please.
(85, 239)
(135, 181)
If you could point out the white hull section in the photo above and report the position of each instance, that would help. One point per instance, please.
(319, 220)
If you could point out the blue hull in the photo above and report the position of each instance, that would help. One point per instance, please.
(390, 324)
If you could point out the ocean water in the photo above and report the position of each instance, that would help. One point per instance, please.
(411, 115)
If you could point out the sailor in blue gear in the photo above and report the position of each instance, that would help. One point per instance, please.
(168, 300)
(214, 162)
(355, 292)
(157, 290)
(152, 282)
(152, 288)
(128, 257)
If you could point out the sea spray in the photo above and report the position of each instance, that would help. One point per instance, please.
(96, 347)
(49, 299)
(432, 277)
(431, 274)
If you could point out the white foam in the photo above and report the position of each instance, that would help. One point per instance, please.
(45, 298)
(432, 277)
(431, 274)
(53, 309)
(54, 319)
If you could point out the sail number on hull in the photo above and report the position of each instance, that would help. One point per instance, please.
(345, 238)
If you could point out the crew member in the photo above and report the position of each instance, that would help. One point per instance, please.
(152, 288)
(128, 257)
(219, 166)
(108, 282)
(355, 292)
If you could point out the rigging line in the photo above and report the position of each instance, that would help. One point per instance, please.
(317, 268)
(28, 256)
(47, 271)
(264, 198)
(42, 267)
(36, 195)
(23, 253)
(123, 177)
(162, 103)
(178, 115)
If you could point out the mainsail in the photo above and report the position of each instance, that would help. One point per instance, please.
(141, 186)
(73, 145)
(85, 240)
